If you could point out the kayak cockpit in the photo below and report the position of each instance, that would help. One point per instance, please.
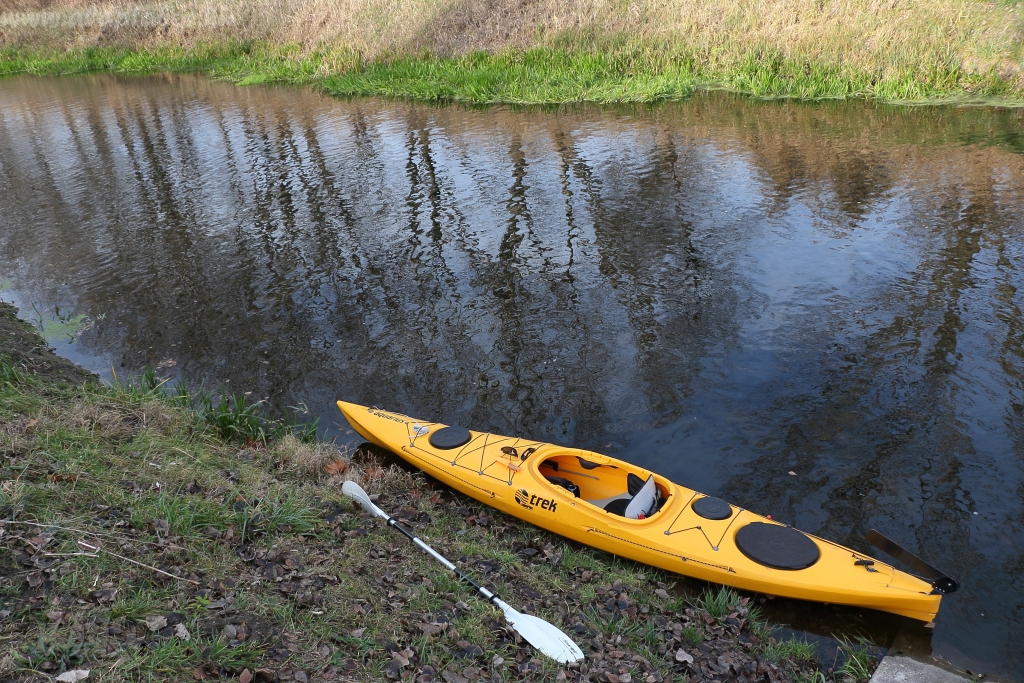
(615, 488)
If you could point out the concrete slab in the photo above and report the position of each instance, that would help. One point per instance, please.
(899, 669)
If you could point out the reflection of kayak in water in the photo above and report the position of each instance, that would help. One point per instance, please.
(626, 510)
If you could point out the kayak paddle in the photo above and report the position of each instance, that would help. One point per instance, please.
(548, 640)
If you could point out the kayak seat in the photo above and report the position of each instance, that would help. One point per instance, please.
(641, 498)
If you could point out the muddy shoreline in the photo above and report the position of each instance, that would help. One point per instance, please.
(20, 342)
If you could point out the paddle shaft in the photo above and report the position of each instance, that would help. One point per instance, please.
(440, 558)
(549, 640)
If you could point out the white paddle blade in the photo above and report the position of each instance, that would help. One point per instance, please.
(547, 638)
(356, 493)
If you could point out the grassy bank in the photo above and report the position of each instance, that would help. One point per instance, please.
(141, 540)
(543, 52)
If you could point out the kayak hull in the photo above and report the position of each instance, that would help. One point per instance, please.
(676, 538)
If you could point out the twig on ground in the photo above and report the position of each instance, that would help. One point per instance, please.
(78, 531)
(126, 559)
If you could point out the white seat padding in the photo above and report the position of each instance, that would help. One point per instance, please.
(644, 500)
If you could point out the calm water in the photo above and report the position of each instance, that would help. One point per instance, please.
(725, 290)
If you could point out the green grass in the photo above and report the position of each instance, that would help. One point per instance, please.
(616, 70)
(231, 416)
(717, 602)
(811, 677)
(800, 650)
(63, 650)
(10, 375)
(857, 664)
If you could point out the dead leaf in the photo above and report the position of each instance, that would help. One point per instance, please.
(373, 473)
(73, 675)
(198, 673)
(245, 676)
(337, 467)
(155, 623)
(181, 633)
(431, 629)
(683, 656)
(358, 633)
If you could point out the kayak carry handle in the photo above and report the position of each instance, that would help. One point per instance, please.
(940, 581)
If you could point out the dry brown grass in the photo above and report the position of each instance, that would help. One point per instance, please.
(306, 459)
(869, 35)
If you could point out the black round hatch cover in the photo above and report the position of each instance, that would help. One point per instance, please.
(775, 546)
(712, 508)
(447, 438)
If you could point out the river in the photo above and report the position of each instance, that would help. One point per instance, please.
(811, 310)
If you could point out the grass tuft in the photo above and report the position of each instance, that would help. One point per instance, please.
(858, 663)
(718, 603)
(800, 650)
(10, 374)
(233, 417)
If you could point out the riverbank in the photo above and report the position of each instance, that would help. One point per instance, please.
(140, 540)
(543, 52)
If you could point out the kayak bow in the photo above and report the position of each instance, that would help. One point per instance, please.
(625, 510)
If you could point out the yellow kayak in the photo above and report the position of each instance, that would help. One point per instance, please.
(625, 510)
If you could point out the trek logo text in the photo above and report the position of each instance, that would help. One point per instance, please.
(528, 501)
